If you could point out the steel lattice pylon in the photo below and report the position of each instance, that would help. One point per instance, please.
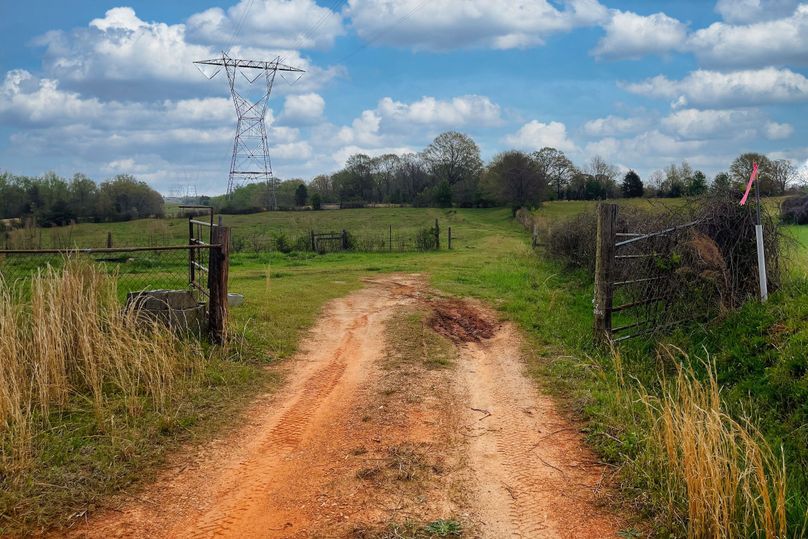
(250, 161)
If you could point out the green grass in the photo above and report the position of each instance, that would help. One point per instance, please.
(492, 261)
(151, 232)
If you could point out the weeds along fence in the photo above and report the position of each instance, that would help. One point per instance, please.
(254, 238)
(385, 239)
(655, 270)
(200, 267)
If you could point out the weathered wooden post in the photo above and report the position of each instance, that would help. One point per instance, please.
(344, 240)
(313, 246)
(437, 235)
(449, 243)
(109, 240)
(217, 284)
(604, 270)
(390, 238)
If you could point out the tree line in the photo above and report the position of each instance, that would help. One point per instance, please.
(53, 201)
(451, 172)
(448, 172)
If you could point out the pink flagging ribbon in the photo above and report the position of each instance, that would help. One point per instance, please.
(752, 179)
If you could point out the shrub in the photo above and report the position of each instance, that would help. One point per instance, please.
(794, 210)
(282, 243)
(425, 239)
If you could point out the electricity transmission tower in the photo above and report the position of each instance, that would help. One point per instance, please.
(250, 161)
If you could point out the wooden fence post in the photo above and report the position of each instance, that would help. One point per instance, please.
(437, 236)
(390, 238)
(109, 240)
(344, 240)
(217, 284)
(604, 270)
(313, 246)
(449, 244)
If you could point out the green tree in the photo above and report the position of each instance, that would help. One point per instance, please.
(442, 196)
(83, 196)
(696, 184)
(741, 170)
(316, 201)
(301, 195)
(632, 186)
(722, 183)
(558, 169)
(515, 179)
(124, 198)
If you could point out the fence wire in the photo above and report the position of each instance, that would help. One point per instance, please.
(135, 270)
(663, 280)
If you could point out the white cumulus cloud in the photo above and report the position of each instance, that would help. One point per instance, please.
(631, 36)
(703, 88)
(778, 131)
(535, 135)
(759, 43)
(615, 125)
(454, 112)
(268, 23)
(304, 108)
(744, 11)
(452, 24)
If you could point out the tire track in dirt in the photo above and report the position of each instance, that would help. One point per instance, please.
(529, 463)
(323, 457)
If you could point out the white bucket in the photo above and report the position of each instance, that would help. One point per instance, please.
(234, 300)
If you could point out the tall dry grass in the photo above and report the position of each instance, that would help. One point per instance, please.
(719, 476)
(67, 338)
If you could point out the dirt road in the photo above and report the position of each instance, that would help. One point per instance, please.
(365, 441)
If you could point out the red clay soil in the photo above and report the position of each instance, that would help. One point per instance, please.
(353, 446)
(458, 321)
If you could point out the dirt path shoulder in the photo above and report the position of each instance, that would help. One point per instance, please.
(385, 429)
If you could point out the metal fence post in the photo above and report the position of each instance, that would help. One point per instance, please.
(191, 252)
(437, 235)
(449, 244)
(604, 270)
(219, 268)
(390, 238)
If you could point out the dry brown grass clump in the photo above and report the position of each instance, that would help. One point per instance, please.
(720, 476)
(69, 339)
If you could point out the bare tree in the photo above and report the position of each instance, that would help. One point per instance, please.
(556, 167)
(783, 173)
(605, 174)
(323, 186)
(453, 157)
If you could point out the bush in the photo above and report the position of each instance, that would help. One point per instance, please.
(282, 243)
(425, 239)
(794, 210)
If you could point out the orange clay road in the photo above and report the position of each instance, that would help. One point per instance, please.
(351, 446)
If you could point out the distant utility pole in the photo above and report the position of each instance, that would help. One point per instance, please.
(250, 161)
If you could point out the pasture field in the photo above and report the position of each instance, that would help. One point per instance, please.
(491, 261)
(294, 224)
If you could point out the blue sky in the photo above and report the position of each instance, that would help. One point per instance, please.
(109, 87)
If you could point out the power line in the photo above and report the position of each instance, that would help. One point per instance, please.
(240, 23)
(383, 31)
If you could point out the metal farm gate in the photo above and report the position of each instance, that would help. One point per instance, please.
(638, 286)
